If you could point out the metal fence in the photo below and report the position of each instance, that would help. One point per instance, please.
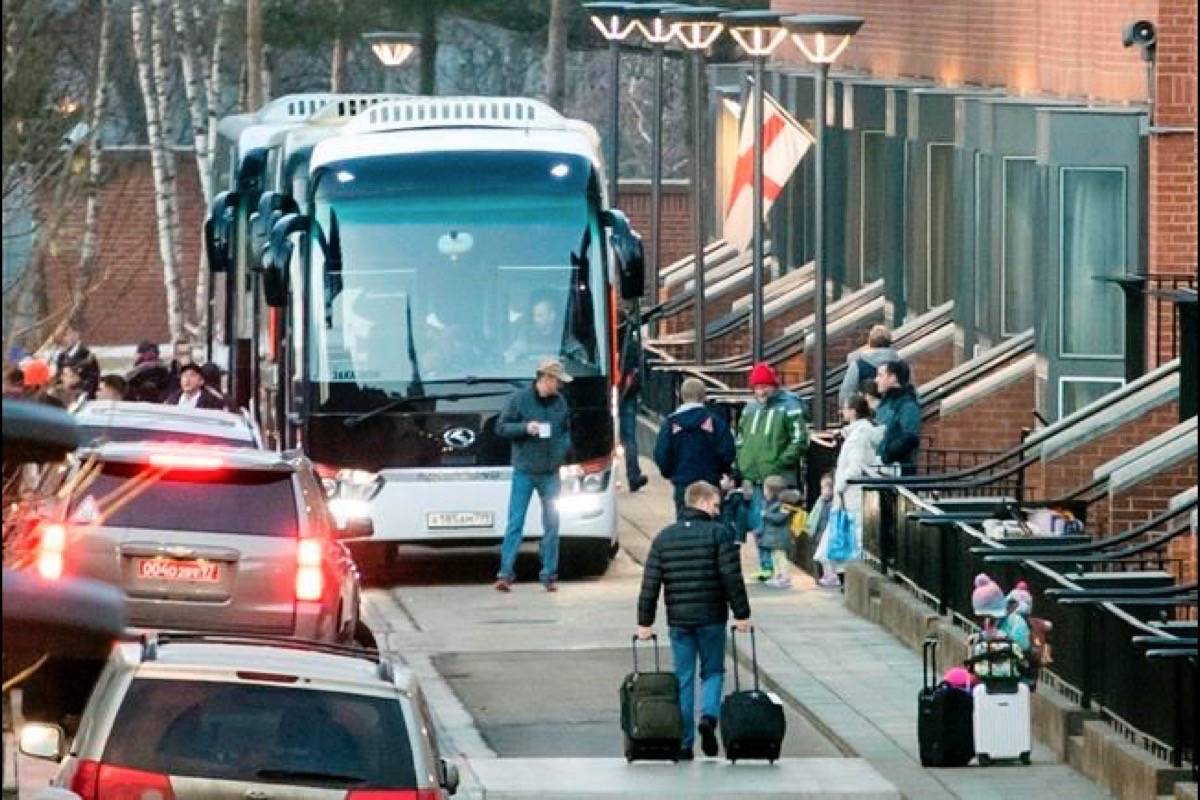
(1163, 315)
(1096, 663)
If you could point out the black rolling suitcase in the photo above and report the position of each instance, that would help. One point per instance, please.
(650, 717)
(944, 717)
(752, 723)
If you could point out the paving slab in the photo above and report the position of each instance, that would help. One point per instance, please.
(589, 778)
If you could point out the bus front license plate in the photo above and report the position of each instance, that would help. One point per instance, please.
(459, 519)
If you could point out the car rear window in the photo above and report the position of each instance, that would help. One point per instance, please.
(95, 434)
(258, 502)
(268, 734)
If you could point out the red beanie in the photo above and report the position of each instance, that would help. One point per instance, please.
(763, 374)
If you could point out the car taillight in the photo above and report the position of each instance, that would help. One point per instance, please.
(394, 794)
(310, 580)
(122, 783)
(83, 782)
(52, 545)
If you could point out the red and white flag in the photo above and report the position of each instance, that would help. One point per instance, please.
(784, 143)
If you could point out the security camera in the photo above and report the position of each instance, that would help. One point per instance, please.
(1142, 34)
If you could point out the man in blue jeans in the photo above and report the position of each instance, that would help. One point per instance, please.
(695, 564)
(627, 408)
(538, 422)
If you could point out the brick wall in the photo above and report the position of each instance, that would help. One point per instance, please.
(1073, 469)
(129, 304)
(676, 212)
(1151, 497)
(993, 422)
(1069, 48)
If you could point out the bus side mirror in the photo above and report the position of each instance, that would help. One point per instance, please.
(216, 231)
(277, 255)
(271, 208)
(631, 259)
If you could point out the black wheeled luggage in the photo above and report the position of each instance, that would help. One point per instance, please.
(944, 717)
(650, 717)
(752, 723)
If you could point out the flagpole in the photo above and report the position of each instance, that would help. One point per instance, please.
(818, 405)
(756, 324)
(697, 196)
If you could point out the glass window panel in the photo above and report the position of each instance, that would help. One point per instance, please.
(1093, 244)
(940, 199)
(872, 196)
(980, 249)
(1079, 393)
(1020, 204)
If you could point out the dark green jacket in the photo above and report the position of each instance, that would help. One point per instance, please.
(900, 415)
(772, 437)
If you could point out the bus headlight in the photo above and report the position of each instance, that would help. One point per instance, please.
(346, 508)
(581, 505)
(591, 476)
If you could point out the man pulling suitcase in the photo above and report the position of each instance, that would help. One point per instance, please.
(696, 565)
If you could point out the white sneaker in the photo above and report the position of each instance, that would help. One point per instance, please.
(780, 582)
(829, 581)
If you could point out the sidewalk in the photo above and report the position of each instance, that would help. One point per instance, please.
(857, 682)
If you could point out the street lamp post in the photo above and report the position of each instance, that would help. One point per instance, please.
(821, 38)
(697, 29)
(656, 32)
(608, 19)
(758, 33)
(393, 49)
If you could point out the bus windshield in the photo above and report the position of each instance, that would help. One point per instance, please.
(447, 266)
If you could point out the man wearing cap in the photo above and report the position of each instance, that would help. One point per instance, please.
(191, 392)
(148, 380)
(538, 422)
(772, 437)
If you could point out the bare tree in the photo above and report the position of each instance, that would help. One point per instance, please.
(87, 250)
(153, 85)
(254, 55)
(556, 55)
(214, 66)
(194, 80)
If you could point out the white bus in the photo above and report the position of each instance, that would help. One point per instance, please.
(445, 245)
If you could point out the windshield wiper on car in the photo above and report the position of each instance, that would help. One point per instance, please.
(471, 380)
(307, 775)
(355, 421)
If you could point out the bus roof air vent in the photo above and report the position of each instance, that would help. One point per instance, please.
(343, 107)
(457, 112)
(294, 107)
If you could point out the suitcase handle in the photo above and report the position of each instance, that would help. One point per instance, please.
(928, 660)
(737, 686)
(654, 638)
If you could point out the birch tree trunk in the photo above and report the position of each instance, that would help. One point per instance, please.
(87, 250)
(254, 55)
(214, 76)
(161, 71)
(140, 25)
(556, 55)
(337, 66)
(194, 80)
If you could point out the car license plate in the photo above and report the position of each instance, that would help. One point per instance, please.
(163, 569)
(459, 519)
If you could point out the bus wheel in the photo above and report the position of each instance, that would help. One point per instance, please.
(585, 558)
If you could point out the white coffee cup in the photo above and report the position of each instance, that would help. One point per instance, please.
(543, 430)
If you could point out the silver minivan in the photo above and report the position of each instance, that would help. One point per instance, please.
(216, 717)
(205, 538)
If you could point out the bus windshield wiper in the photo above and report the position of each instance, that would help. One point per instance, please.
(396, 402)
(471, 380)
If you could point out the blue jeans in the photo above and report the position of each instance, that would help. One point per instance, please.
(706, 643)
(627, 415)
(754, 519)
(523, 486)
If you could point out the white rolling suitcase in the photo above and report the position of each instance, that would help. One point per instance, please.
(1002, 722)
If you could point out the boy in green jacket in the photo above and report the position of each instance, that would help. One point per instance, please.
(772, 437)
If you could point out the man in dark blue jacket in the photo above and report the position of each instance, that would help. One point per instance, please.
(538, 422)
(899, 414)
(694, 443)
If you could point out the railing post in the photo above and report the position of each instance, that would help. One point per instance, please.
(1021, 471)
(944, 532)
(887, 528)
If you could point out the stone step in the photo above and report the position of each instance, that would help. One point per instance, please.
(591, 778)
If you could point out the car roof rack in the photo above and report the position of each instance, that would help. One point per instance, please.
(152, 640)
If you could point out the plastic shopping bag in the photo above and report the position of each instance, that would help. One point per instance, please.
(843, 544)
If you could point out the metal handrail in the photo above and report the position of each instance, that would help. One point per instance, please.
(1099, 544)
(1052, 557)
(1145, 591)
(1154, 602)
